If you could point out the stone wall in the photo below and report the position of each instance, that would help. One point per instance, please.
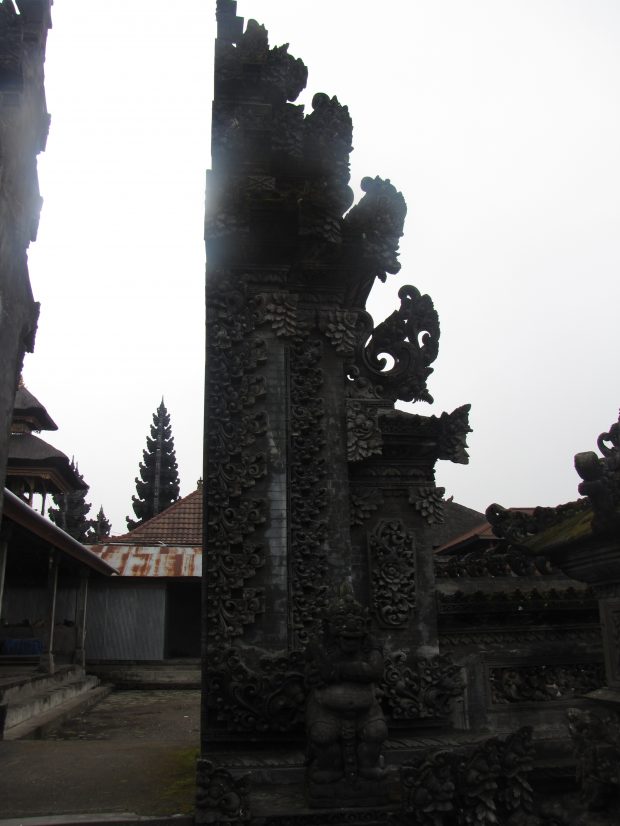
(24, 123)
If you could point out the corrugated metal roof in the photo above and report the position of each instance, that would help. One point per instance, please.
(152, 560)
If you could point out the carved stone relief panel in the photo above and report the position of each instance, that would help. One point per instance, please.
(391, 550)
(610, 616)
(308, 494)
(543, 683)
(236, 426)
(363, 434)
(420, 688)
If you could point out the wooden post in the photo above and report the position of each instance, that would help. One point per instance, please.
(80, 621)
(4, 549)
(46, 661)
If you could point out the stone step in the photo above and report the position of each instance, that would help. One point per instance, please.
(111, 819)
(47, 719)
(45, 699)
(150, 675)
(36, 683)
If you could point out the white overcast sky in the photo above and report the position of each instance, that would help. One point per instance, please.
(499, 120)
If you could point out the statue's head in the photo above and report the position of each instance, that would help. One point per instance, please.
(346, 621)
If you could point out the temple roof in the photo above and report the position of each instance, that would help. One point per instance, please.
(459, 522)
(180, 524)
(32, 458)
(29, 412)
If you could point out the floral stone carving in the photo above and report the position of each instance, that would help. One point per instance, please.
(481, 785)
(266, 697)
(424, 688)
(363, 433)
(543, 683)
(392, 572)
(428, 502)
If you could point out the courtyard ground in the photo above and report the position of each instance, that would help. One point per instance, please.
(132, 754)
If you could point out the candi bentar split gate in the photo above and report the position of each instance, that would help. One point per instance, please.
(324, 666)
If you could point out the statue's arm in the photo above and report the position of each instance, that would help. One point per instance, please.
(369, 670)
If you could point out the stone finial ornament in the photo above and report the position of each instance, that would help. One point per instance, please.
(601, 479)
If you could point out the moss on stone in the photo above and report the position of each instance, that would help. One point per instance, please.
(565, 532)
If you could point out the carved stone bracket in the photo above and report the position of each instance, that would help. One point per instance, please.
(391, 552)
(419, 689)
(453, 430)
(220, 798)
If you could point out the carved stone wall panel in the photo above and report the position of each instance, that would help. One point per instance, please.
(543, 683)
(363, 434)
(610, 620)
(253, 691)
(419, 688)
(238, 461)
(364, 502)
(501, 636)
(428, 502)
(340, 327)
(308, 493)
(484, 784)
(392, 561)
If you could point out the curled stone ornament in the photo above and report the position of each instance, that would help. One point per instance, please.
(410, 339)
(601, 480)
(220, 798)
